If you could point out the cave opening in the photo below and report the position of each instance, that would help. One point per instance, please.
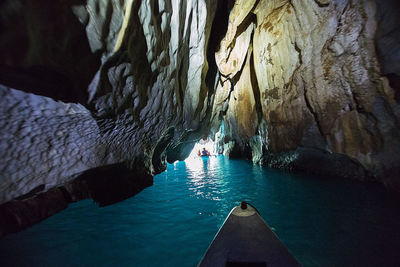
(204, 144)
(203, 152)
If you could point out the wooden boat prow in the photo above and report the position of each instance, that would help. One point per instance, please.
(246, 240)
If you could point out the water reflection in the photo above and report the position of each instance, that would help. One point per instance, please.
(323, 222)
(205, 178)
(201, 167)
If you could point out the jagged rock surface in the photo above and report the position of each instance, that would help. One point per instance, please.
(291, 84)
(319, 90)
(147, 101)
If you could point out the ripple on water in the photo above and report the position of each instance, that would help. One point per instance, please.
(324, 222)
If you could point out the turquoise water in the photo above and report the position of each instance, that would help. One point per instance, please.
(323, 222)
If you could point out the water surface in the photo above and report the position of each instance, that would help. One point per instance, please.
(323, 222)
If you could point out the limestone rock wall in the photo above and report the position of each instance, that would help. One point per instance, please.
(155, 80)
(310, 86)
(148, 100)
(44, 143)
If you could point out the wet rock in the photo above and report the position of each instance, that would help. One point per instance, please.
(105, 185)
(19, 214)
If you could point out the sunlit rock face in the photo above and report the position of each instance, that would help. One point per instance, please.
(289, 84)
(304, 77)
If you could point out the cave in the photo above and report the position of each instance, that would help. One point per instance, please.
(99, 97)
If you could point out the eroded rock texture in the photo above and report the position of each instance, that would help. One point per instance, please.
(148, 100)
(321, 97)
(291, 84)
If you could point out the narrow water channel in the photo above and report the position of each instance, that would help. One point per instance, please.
(322, 221)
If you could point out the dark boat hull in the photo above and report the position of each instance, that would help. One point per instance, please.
(246, 240)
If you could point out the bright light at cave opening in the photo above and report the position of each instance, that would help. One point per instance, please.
(194, 161)
(208, 144)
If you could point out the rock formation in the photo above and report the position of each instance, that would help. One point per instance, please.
(98, 95)
(315, 91)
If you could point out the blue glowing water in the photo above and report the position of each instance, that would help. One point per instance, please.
(323, 222)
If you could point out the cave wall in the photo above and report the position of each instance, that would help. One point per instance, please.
(302, 84)
(388, 42)
(44, 49)
(148, 99)
(305, 79)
